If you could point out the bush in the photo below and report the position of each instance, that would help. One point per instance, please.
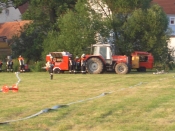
(15, 65)
(37, 66)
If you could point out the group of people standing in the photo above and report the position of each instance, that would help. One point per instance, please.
(77, 65)
(9, 64)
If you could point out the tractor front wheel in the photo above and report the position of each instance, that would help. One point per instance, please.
(121, 68)
(94, 66)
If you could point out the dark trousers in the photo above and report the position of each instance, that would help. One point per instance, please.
(22, 68)
(70, 67)
(83, 69)
(51, 72)
(0, 67)
(9, 67)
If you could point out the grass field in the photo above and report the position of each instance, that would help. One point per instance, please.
(137, 102)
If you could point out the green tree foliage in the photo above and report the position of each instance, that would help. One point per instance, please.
(27, 45)
(43, 14)
(146, 30)
(77, 30)
(126, 6)
(16, 3)
(49, 10)
(139, 25)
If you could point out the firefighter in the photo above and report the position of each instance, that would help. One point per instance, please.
(83, 64)
(1, 63)
(9, 65)
(76, 65)
(21, 63)
(70, 65)
(50, 66)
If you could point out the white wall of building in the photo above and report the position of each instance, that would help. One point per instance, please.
(171, 42)
(10, 14)
(171, 46)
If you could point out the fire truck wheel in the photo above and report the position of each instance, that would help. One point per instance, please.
(94, 66)
(121, 68)
(57, 71)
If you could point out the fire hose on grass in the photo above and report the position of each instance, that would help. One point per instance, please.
(56, 107)
(13, 88)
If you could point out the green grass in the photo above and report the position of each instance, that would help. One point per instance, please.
(149, 106)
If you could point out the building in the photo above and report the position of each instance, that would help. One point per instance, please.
(7, 31)
(10, 25)
(169, 8)
(4, 47)
(10, 13)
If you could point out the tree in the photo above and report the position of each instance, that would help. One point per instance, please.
(29, 44)
(43, 14)
(138, 25)
(147, 31)
(51, 10)
(77, 30)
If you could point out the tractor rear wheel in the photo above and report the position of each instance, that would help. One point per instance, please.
(94, 66)
(121, 68)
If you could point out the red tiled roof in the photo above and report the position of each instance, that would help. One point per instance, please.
(167, 5)
(9, 29)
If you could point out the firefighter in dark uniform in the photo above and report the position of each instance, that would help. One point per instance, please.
(83, 64)
(21, 63)
(9, 65)
(71, 64)
(50, 66)
(77, 65)
(1, 63)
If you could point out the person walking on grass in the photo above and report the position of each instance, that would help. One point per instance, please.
(9, 65)
(50, 65)
(21, 63)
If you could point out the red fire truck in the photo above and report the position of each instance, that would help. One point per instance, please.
(61, 60)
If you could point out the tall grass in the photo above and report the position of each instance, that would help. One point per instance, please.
(137, 102)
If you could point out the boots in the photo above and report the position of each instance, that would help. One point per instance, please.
(51, 76)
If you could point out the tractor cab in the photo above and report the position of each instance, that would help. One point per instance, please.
(105, 50)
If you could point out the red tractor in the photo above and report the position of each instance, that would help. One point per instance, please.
(104, 59)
